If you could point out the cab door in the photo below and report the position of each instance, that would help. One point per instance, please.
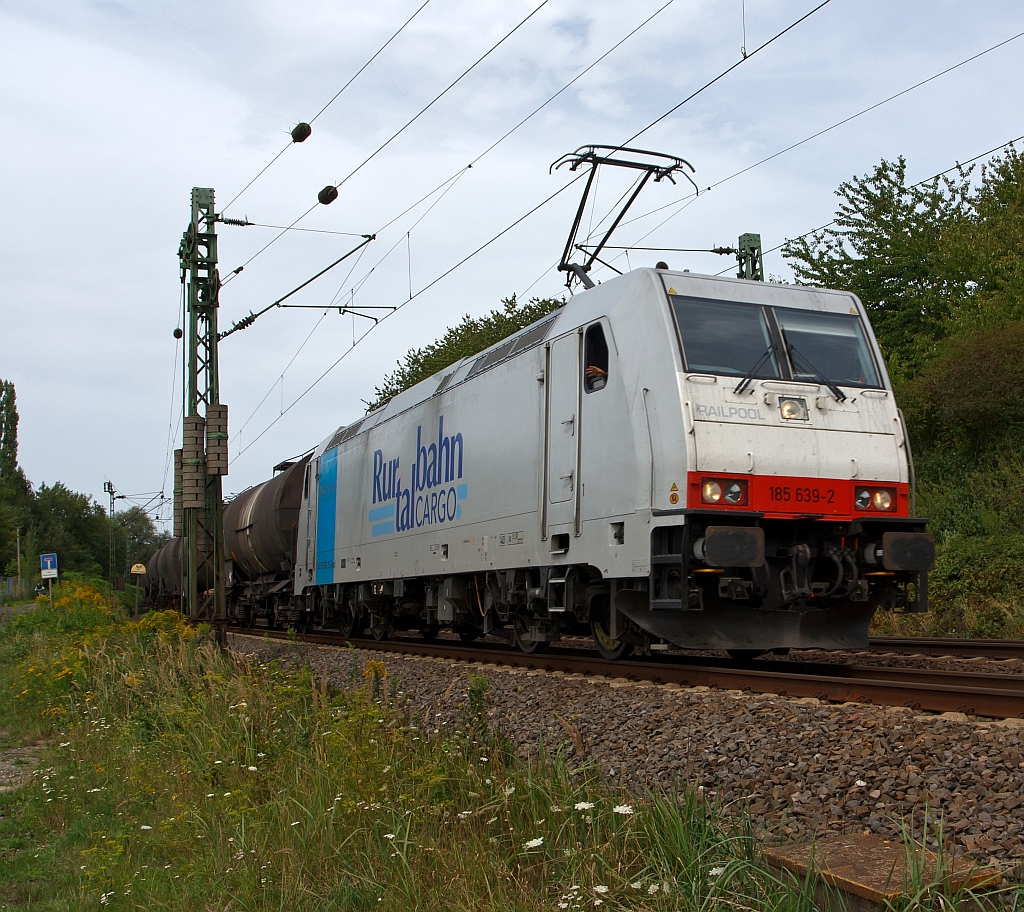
(562, 430)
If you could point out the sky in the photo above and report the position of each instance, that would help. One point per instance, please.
(112, 111)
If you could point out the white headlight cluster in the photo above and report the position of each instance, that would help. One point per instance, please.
(793, 409)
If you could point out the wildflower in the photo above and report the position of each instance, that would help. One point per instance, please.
(636, 885)
(252, 769)
(717, 872)
(492, 820)
(105, 898)
(598, 902)
(652, 889)
(145, 827)
(227, 794)
(624, 809)
(600, 888)
(464, 814)
(555, 809)
(534, 843)
(211, 795)
(389, 835)
(261, 755)
(296, 822)
(217, 762)
(584, 805)
(509, 789)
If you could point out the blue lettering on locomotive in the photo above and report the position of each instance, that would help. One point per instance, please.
(433, 495)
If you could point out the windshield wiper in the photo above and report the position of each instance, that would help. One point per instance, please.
(814, 372)
(745, 382)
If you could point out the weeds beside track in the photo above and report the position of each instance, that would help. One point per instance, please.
(175, 776)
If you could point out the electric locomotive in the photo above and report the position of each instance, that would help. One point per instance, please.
(669, 458)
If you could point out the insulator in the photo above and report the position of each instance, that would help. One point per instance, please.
(328, 195)
(301, 132)
(241, 223)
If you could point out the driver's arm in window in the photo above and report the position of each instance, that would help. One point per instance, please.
(595, 351)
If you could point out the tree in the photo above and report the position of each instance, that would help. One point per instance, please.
(136, 537)
(73, 526)
(15, 490)
(469, 337)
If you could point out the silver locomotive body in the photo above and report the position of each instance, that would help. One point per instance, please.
(669, 457)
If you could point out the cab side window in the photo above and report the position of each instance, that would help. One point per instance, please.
(595, 359)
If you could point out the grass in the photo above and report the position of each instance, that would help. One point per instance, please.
(175, 776)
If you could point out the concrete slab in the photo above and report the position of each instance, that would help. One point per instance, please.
(861, 872)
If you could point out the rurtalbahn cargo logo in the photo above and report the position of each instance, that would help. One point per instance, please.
(433, 495)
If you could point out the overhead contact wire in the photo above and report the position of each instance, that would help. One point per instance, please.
(956, 167)
(378, 52)
(394, 136)
(425, 288)
(689, 198)
(726, 72)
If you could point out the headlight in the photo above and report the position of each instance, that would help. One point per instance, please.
(793, 409)
(881, 499)
(711, 492)
(731, 491)
(734, 493)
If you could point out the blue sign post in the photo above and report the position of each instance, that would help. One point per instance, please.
(48, 572)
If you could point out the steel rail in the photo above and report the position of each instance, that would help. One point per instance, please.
(992, 696)
(941, 646)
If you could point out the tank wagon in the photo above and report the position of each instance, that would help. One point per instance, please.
(668, 458)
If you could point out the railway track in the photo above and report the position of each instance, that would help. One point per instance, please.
(988, 649)
(988, 695)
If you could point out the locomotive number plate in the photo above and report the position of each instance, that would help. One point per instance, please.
(802, 496)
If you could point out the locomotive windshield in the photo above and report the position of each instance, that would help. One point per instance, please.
(725, 338)
(771, 343)
(831, 342)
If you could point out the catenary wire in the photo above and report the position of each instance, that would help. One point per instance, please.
(710, 83)
(237, 271)
(448, 184)
(685, 201)
(458, 174)
(298, 351)
(444, 92)
(956, 167)
(425, 288)
(378, 52)
(726, 72)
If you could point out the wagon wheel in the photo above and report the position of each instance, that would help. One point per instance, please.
(608, 648)
(468, 633)
(521, 626)
(381, 628)
(348, 622)
(429, 631)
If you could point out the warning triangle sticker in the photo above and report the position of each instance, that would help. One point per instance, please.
(674, 487)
